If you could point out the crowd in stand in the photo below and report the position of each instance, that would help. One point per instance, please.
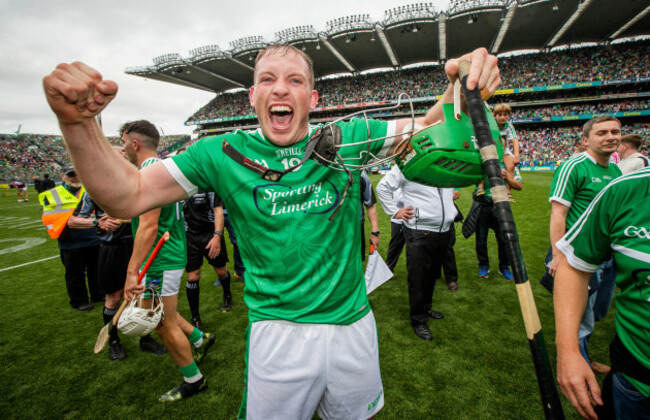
(614, 62)
(558, 110)
(597, 63)
(24, 157)
(551, 145)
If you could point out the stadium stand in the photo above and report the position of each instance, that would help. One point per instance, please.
(549, 146)
(552, 94)
(621, 62)
(612, 79)
(551, 98)
(24, 157)
(561, 63)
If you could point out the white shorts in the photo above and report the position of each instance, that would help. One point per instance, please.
(295, 369)
(167, 282)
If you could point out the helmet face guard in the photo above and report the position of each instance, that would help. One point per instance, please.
(139, 321)
(446, 154)
(325, 143)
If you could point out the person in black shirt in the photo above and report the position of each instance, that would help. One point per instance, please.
(115, 249)
(45, 184)
(204, 228)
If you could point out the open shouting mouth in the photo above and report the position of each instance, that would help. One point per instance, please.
(281, 116)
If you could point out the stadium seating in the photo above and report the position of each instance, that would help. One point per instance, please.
(591, 64)
(27, 156)
(611, 79)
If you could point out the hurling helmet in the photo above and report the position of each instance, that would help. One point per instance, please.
(447, 154)
(137, 321)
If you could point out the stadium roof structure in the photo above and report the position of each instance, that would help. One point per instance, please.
(412, 34)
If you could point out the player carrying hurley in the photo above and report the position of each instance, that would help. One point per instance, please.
(312, 337)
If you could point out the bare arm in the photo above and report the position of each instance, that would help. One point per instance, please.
(515, 149)
(557, 230)
(77, 93)
(574, 375)
(142, 244)
(214, 246)
(374, 224)
(508, 174)
(76, 222)
(484, 73)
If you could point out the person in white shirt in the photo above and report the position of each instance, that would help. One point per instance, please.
(628, 151)
(428, 214)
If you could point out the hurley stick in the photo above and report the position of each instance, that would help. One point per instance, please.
(105, 332)
(545, 378)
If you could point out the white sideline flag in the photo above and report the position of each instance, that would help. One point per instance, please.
(377, 272)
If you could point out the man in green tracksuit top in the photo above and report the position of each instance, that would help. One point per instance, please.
(616, 223)
(312, 338)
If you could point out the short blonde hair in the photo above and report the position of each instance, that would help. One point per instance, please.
(502, 108)
(284, 49)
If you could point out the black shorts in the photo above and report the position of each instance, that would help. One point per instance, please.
(112, 263)
(196, 243)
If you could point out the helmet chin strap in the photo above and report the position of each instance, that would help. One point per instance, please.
(322, 143)
(444, 154)
(366, 158)
(321, 147)
(324, 146)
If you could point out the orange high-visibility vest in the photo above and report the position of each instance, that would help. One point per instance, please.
(58, 209)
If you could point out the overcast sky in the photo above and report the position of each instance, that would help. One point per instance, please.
(36, 35)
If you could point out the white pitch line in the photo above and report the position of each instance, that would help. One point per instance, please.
(33, 262)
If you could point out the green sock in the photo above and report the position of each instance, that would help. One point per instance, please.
(196, 337)
(191, 372)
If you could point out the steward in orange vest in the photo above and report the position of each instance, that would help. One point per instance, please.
(58, 205)
(78, 244)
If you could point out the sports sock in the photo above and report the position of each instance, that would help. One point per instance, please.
(191, 372)
(196, 337)
(193, 297)
(108, 317)
(225, 283)
(108, 314)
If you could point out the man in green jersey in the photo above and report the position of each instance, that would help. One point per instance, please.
(616, 223)
(575, 184)
(312, 341)
(140, 146)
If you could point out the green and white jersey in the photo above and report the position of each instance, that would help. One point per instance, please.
(173, 255)
(508, 133)
(577, 181)
(300, 266)
(617, 223)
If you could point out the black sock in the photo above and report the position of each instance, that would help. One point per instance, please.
(193, 298)
(108, 317)
(225, 283)
(108, 314)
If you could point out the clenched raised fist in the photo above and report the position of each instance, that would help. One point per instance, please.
(77, 93)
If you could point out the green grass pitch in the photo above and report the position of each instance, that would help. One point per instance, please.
(477, 367)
